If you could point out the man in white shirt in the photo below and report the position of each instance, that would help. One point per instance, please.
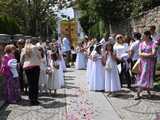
(66, 50)
(134, 48)
(154, 34)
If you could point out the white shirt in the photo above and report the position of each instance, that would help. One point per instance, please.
(135, 49)
(155, 36)
(66, 45)
(13, 67)
(121, 50)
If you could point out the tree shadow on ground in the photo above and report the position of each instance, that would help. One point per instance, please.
(24, 102)
(69, 83)
(153, 97)
(4, 113)
(68, 79)
(53, 104)
(69, 71)
(123, 95)
(46, 99)
(71, 77)
(45, 102)
(71, 87)
(65, 95)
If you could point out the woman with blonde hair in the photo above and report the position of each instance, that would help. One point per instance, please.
(31, 60)
(121, 50)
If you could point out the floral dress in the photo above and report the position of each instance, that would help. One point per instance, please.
(145, 79)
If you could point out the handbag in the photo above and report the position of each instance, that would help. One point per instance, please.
(136, 67)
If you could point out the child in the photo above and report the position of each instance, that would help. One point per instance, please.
(89, 64)
(80, 59)
(112, 80)
(97, 72)
(54, 81)
(43, 75)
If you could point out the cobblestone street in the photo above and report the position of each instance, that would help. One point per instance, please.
(76, 102)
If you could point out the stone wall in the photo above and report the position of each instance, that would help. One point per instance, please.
(139, 24)
(150, 17)
(123, 27)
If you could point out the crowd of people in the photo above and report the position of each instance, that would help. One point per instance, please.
(121, 60)
(34, 67)
(31, 67)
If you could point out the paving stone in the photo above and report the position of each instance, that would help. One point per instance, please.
(76, 102)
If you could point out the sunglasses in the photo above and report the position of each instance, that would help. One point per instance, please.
(119, 38)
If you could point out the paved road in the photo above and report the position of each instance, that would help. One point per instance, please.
(76, 102)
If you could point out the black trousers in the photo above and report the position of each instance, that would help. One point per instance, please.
(125, 77)
(67, 57)
(21, 80)
(33, 79)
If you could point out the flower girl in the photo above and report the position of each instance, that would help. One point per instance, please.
(80, 59)
(89, 64)
(43, 75)
(54, 81)
(97, 72)
(112, 80)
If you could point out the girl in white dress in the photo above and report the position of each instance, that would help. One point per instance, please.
(89, 64)
(97, 73)
(43, 75)
(112, 80)
(54, 79)
(61, 70)
(63, 65)
(80, 59)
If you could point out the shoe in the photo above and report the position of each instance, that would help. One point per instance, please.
(37, 102)
(137, 98)
(34, 103)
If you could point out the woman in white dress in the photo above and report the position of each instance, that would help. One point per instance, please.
(80, 59)
(54, 79)
(112, 80)
(97, 73)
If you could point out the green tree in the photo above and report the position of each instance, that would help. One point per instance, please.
(34, 17)
(8, 25)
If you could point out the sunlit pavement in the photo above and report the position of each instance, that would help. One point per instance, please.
(76, 102)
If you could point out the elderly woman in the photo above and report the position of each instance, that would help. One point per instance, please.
(31, 59)
(146, 53)
(121, 50)
(9, 71)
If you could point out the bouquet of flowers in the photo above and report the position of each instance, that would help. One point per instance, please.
(48, 71)
(55, 65)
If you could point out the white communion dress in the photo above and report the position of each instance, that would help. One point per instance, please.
(89, 70)
(54, 79)
(80, 60)
(43, 75)
(112, 80)
(97, 80)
